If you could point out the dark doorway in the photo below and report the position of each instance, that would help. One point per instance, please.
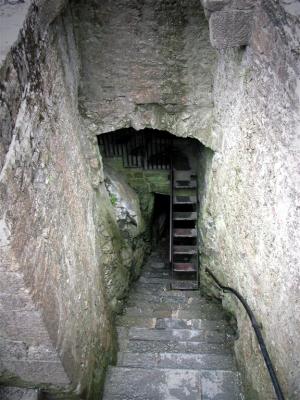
(161, 224)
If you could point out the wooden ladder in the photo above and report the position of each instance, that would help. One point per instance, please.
(184, 230)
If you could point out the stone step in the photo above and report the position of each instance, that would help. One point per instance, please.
(171, 384)
(155, 274)
(15, 393)
(169, 323)
(177, 361)
(152, 280)
(151, 290)
(169, 334)
(221, 385)
(163, 286)
(155, 265)
(169, 346)
(18, 350)
(145, 305)
(184, 267)
(168, 297)
(152, 311)
(163, 323)
(35, 372)
(24, 325)
(184, 285)
(152, 384)
(190, 250)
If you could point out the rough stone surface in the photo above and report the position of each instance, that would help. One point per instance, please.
(55, 217)
(14, 393)
(250, 212)
(230, 28)
(145, 64)
(230, 22)
(162, 362)
(131, 239)
(144, 183)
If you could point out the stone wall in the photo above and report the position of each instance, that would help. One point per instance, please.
(130, 238)
(57, 223)
(150, 64)
(145, 64)
(250, 215)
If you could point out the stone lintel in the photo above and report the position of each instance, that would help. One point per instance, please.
(230, 28)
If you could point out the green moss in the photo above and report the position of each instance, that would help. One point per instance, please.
(113, 199)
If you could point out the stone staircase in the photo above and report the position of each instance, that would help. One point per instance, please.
(27, 355)
(173, 345)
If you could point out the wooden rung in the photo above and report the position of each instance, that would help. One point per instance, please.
(184, 267)
(190, 250)
(185, 232)
(185, 200)
(185, 216)
(185, 184)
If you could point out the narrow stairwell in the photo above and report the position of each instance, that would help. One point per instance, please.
(173, 345)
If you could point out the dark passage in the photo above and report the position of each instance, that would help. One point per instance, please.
(161, 224)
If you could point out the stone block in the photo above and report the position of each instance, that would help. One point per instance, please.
(15, 393)
(230, 28)
(35, 372)
(214, 5)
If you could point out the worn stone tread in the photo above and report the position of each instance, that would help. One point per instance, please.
(193, 335)
(24, 325)
(177, 360)
(15, 393)
(221, 385)
(152, 311)
(144, 346)
(168, 298)
(18, 350)
(173, 345)
(152, 384)
(27, 355)
(174, 305)
(32, 371)
(162, 323)
(125, 383)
